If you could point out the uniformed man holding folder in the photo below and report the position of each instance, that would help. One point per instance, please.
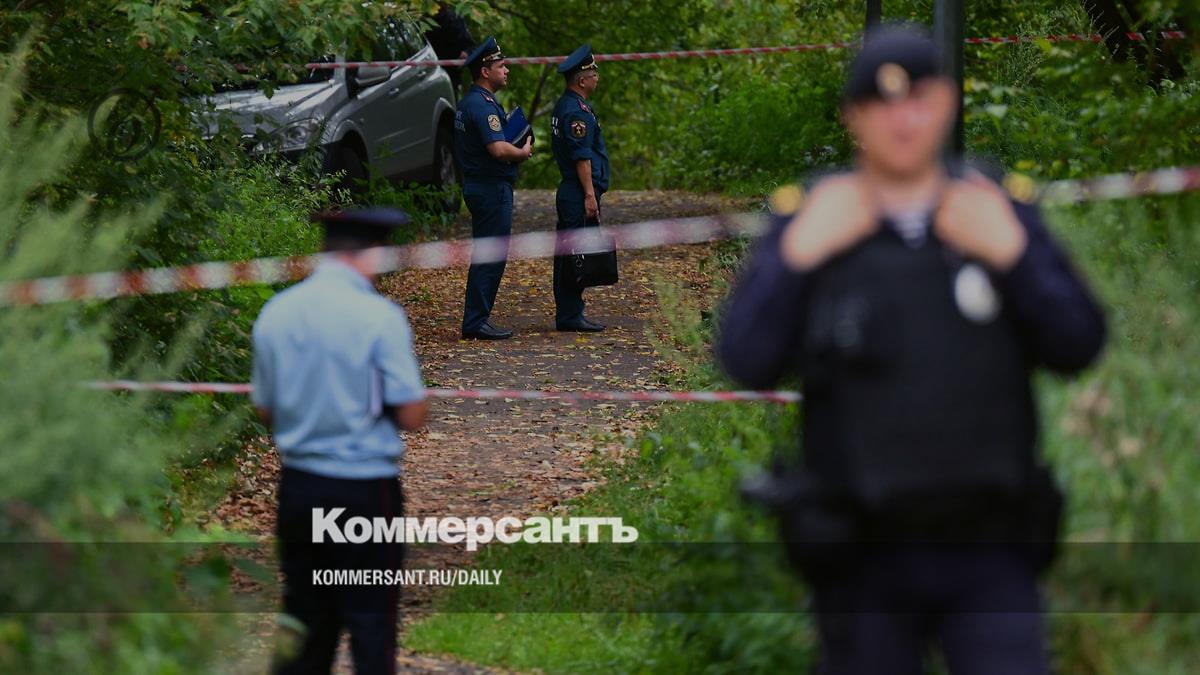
(489, 165)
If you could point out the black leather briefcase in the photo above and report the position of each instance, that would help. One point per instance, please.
(595, 268)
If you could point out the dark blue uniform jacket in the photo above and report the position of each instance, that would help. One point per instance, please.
(576, 135)
(478, 122)
(1061, 327)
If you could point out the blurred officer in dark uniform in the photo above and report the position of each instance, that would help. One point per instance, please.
(578, 145)
(450, 39)
(335, 377)
(489, 166)
(913, 298)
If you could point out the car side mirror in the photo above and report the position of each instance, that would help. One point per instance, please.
(368, 76)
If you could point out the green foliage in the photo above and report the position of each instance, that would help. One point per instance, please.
(426, 204)
(1120, 438)
(147, 44)
(745, 124)
(1061, 110)
(1123, 438)
(79, 465)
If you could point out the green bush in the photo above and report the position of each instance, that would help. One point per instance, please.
(744, 124)
(747, 136)
(80, 467)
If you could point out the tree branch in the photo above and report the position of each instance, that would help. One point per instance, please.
(537, 94)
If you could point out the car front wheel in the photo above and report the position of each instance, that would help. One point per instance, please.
(346, 159)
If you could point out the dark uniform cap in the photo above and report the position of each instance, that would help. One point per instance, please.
(892, 58)
(366, 224)
(487, 52)
(580, 59)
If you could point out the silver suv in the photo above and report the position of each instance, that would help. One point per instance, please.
(394, 122)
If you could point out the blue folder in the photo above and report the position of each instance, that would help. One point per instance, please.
(517, 127)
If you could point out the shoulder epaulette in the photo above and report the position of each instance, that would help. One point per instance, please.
(786, 200)
(1020, 187)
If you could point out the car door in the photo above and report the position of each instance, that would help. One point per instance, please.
(416, 125)
(382, 109)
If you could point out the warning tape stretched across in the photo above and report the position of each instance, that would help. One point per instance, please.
(1118, 186)
(431, 255)
(517, 394)
(736, 51)
(439, 254)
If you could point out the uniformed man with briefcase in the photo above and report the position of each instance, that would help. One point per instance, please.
(578, 146)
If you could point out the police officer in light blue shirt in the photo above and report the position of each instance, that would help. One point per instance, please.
(489, 165)
(335, 377)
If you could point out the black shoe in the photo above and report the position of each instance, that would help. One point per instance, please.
(487, 332)
(581, 326)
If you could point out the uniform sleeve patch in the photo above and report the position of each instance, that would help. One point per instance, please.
(579, 128)
(494, 122)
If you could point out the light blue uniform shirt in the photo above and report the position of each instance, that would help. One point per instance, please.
(329, 353)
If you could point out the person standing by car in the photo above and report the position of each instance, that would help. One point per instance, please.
(335, 377)
(450, 39)
(914, 298)
(579, 150)
(489, 167)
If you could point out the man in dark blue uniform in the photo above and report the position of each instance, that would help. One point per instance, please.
(578, 145)
(489, 166)
(913, 299)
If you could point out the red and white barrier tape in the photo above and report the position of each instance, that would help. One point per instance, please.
(736, 51)
(516, 394)
(431, 255)
(1118, 185)
(439, 254)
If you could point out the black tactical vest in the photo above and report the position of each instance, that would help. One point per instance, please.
(907, 401)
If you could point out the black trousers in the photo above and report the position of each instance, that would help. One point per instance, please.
(367, 612)
(568, 298)
(980, 605)
(491, 207)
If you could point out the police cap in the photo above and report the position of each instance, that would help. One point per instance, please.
(487, 52)
(893, 57)
(365, 225)
(580, 59)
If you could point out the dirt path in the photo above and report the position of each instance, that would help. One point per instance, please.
(514, 458)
